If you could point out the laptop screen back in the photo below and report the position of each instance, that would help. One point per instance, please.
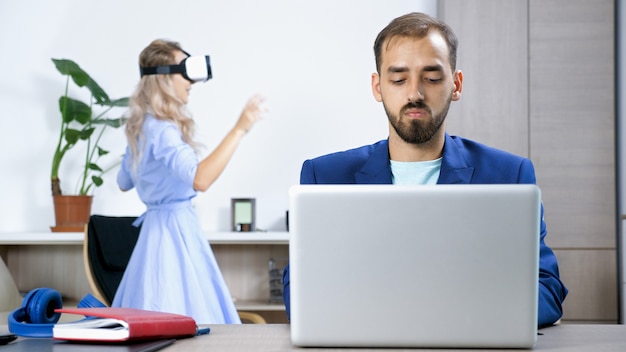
(414, 266)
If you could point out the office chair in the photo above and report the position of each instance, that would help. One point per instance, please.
(108, 245)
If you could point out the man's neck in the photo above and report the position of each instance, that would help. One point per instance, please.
(400, 150)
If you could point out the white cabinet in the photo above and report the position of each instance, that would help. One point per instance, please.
(244, 259)
(46, 259)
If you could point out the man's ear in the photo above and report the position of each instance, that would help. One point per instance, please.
(376, 87)
(458, 85)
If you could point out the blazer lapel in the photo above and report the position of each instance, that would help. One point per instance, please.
(454, 169)
(377, 169)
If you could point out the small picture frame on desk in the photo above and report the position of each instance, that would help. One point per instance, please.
(243, 214)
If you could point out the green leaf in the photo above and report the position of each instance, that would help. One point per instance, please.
(72, 136)
(81, 78)
(98, 93)
(122, 102)
(86, 133)
(102, 152)
(92, 166)
(70, 68)
(74, 110)
(115, 123)
(97, 181)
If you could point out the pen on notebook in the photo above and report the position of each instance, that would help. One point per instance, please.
(202, 331)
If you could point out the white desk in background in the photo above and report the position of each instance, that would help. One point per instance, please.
(55, 259)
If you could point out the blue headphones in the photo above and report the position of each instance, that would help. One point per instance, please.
(36, 316)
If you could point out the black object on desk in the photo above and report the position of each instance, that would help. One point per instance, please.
(6, 338)
(46, 345)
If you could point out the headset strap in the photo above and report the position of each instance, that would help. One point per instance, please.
(167, 69)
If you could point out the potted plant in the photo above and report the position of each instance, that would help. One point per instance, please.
(81, 123)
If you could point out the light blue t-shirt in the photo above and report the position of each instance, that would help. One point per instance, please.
(415, 172)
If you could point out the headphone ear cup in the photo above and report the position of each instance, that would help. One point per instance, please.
(36, 316)
(41, 305)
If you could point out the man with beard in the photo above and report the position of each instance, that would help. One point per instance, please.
(416, 80)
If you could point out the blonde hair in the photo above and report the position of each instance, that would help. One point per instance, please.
(155, 94)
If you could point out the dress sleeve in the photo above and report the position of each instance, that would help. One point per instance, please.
(177, 156)
(124, 180)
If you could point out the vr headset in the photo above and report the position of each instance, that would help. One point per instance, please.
(193, 68)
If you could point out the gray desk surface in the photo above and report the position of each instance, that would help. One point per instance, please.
(275, 337)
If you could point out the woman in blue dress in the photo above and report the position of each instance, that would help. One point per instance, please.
(172, 268)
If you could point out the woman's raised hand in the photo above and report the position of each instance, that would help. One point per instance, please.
(252, 112)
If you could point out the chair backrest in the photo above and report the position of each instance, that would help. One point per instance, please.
(109, 243)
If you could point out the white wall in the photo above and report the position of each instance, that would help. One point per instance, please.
(311, 59)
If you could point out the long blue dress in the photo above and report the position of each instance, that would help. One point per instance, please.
(172, 268)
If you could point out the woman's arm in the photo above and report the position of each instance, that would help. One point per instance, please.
(211, 167)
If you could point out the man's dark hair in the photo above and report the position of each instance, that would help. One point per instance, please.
(415, 25)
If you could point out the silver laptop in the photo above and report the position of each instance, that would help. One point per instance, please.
(452, 266)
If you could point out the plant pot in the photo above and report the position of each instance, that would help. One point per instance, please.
(71, 213)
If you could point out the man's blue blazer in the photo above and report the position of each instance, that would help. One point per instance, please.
(463, 162)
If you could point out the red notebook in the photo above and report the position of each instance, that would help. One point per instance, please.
(123, 324)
